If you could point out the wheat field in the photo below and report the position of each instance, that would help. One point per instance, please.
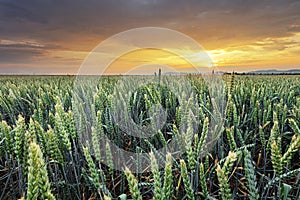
(44, 151)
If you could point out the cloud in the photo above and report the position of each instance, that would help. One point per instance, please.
(294, 28)
(14, 55)
(20, 44)
(55, 19)
(77, 25)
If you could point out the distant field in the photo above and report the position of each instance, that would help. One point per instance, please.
(50, 139)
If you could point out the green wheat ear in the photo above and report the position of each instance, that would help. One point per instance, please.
(95, 142)
(200, 144)
(294, 126)
(109, 158)
(230, 137)
(5, 129)
(203, 181)
(133, 185)
(262, 136)
(293, 147)
(33, 185)
(93, 169)
(273, 135)
(278, 160)
(294, 144)
(60, 127)
(186, 180)
(71, 124)
(250, 176)
(20, 130)
(52, 147)
(168, 180)
(30, 137)
(156, 176)
(223, 173)
(38, 181)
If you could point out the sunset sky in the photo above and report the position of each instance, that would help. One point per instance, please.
(54, 37)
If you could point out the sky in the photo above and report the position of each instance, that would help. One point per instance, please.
(55, 36)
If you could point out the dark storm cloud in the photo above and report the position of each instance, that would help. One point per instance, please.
(13, 11)
(56, 20)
